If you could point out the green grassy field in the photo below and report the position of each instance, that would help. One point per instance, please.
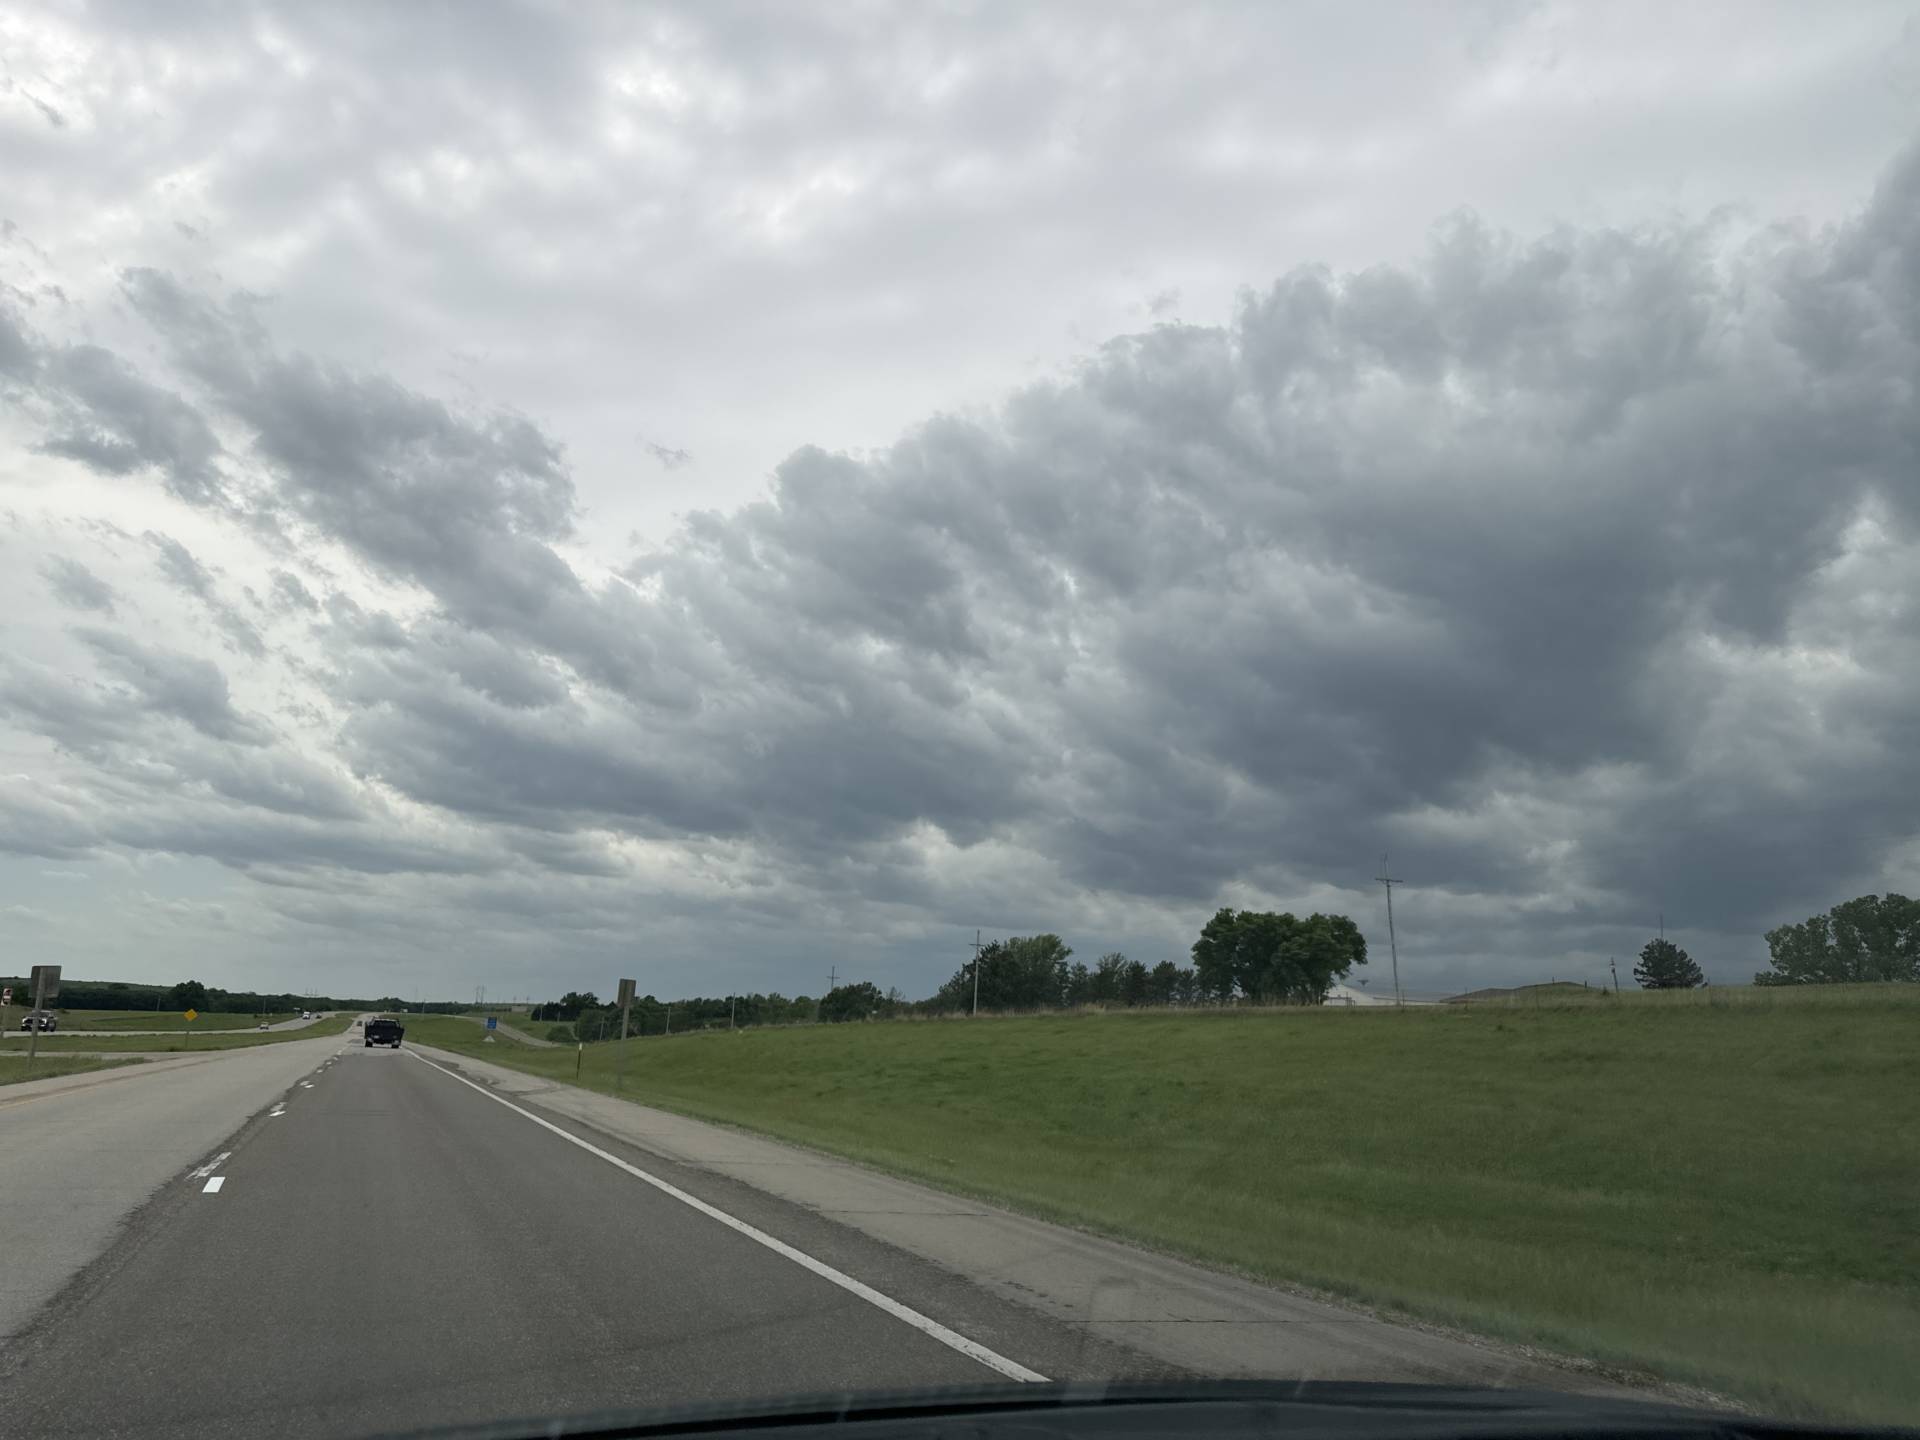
(230, 1039)
(1721, 1188)
(14, 1068)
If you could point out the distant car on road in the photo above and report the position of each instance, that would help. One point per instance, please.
(263, 1024)
(384, 1032)
(42, 1020)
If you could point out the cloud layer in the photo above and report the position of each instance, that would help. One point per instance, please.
(1576, 569)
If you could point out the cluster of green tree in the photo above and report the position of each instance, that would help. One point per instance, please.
(587, 1017)
(1874, 937)
(1275, 959)
(1252, 955)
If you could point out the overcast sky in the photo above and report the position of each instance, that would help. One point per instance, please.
(517, 496)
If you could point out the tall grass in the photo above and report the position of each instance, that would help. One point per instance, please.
(15, 1070)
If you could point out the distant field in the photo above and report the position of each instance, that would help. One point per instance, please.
(162, 1020)
(14, 1068)
(1721, 1188)
(229, 1039)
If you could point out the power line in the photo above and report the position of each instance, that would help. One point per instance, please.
(1385, 877)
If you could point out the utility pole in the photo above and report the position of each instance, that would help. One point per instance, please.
(1385, 877)
(1616, 974)
(730, 1002)
(976, 972)
(833, 978)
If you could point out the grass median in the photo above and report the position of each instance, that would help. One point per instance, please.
(161, 1020)
(1721, 1189)
(14, 1068)
(57, 1043)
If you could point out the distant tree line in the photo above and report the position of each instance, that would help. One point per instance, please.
(210, 999)
(583, 1015)
(1257, 956)
(1249, 955)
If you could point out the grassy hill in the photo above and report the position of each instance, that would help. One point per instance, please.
(1721, 1188)
(1546, 992)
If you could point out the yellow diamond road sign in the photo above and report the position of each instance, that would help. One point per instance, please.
(193, 1014)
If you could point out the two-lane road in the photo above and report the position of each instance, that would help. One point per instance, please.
(397, 1248)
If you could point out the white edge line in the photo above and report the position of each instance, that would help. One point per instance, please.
(1013, 1370)
(212, 1186)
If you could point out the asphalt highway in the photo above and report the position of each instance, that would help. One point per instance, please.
(384, 1245)
(316, 1239)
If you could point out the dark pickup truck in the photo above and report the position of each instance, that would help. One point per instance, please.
(384, 1032)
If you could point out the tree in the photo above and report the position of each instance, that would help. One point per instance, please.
(1163, 983)
(1869, 938)
(1134, 983)
(1215, 955)
(1024, 973)
(859, 1001)
(189, 995)
(1665, 966)
(1108, 973)
(1275, 958)
(575, 1001)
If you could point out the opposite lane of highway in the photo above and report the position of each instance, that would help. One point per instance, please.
(400, 1250)
(83, 1153)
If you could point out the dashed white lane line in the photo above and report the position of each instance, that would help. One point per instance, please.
(973, 1350)
(213, 1186)
(306, 1084)
(207, 1169)
(277, 1111)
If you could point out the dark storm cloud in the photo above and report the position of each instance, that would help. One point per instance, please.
(1576, 570)
(73, 584)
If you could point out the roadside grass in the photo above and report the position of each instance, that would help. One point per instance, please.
(163, 1020)
(57, 1043)
(14, 1069)
(1720, 1188)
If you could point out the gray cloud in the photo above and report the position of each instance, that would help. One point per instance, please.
(117, 423)
(167, 683)
(189, 576)
(667, 455)
(291, 593)
(74, 585)
(1576, 569)
(1236, 604)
